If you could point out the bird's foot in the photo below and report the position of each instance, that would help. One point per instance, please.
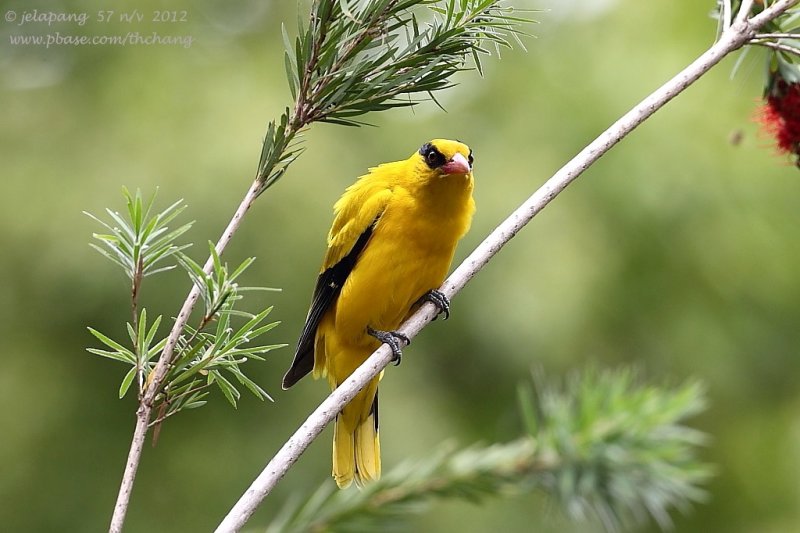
(438, 299)
(392, 338)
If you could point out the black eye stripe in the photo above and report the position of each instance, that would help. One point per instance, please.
(433, 157)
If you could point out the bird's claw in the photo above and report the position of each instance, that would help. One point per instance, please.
(437, 298)
(392, 338)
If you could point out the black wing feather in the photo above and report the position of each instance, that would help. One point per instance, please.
(329, 284)
(374, 410)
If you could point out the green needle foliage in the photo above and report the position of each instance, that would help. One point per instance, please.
(358, 56)
(142, 241)
(602, 446)
(615, 447)
(210, 354)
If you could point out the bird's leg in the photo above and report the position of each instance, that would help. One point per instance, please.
(441, 301)
(392, 338)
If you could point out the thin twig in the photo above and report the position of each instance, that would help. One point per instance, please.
(131, 466)
(160, 419)
(136, 285)
(156, 378)
(732, 39)
(777, 36)
(777, 46)
(744, 10)
(726, 14)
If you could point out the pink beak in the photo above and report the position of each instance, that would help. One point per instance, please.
(457, 165)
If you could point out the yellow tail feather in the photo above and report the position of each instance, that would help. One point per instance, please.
(367, 452)
(344, 465)
(356, 444)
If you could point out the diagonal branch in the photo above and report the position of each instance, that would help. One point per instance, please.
(733, 38)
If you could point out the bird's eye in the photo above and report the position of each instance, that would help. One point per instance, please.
(434, 158)
(470, 158)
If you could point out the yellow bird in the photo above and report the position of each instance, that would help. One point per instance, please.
(392, 241)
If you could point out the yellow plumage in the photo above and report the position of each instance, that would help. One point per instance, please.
(392, 241)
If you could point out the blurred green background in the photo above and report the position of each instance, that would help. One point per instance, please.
(677, 252)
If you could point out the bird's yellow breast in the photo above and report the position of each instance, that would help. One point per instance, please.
(409, 252)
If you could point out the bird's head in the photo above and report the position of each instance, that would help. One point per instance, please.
(444, 157)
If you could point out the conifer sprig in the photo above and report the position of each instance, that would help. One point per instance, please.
(605, 446)
(354, 57)
(213, 351)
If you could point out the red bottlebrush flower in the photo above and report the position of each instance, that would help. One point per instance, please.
(780, 114)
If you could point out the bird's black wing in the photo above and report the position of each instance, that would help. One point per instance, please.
(329, 284)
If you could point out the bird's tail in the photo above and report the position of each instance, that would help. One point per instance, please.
(356, 445)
